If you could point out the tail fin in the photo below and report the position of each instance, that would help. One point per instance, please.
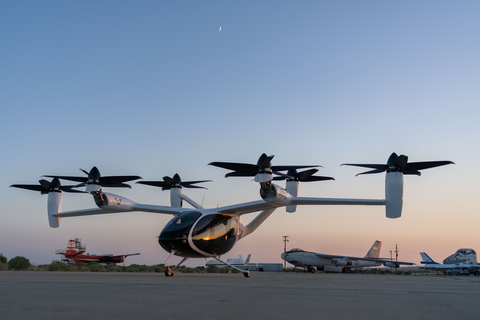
(248, 259)
(71, 248)
(374, 251)
(426, 259)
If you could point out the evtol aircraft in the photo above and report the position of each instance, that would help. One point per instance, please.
(335, 263)
(75, 251)
(200, 232)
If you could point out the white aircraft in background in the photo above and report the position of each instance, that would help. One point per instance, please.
(429, 264)
(334, 263)
(237, 262)
(200, 232)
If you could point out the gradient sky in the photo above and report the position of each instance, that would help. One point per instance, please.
(152, 88)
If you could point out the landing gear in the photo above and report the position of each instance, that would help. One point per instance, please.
(245, 272)
(171, 272)
(311, 270)
(168, 272)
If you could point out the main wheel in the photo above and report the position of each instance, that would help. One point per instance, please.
(168, 272)
(311, 270)
(247, 274)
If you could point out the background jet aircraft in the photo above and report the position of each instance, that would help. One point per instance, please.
(432, 265)
(464, 255)
(81, 259)
(328, 262)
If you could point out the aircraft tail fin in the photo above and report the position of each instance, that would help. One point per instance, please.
(426, 259)
(374, 251)
(248, 259)
(71, 247)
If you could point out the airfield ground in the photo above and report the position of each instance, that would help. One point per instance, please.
(101, 295)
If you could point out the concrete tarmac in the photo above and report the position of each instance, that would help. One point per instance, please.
(77, 295)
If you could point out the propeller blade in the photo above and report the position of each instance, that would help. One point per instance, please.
(264, 161)
(283, 168)
(87, 173)
(193, 186)
(372, 171)
(415, 166)
(117, 179)
(70, 178)
(372, 166)
(401, 162)
(251, 169)
(316, 178)
(188, 184)
(47, 185)
(301, 176)
(169, 181)
(32, 187)
(240, 174)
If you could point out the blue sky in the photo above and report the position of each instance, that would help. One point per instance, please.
(153, 88)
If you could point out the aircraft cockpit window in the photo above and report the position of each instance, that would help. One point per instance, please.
(297, 249)
(185, 218)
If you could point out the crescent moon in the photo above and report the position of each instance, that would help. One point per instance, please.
(220, 28)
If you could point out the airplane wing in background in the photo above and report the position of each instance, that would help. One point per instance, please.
(330, 256)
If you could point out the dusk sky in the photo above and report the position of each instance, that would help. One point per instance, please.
(154, 88)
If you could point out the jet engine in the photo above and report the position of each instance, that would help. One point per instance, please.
(340, 262)
(391, 264)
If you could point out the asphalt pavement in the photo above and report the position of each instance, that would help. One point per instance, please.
(108, 295)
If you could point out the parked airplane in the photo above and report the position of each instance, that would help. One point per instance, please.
(429, 264)
(238, 262)
(201, 232)
(75, 252)
(464, 255)
(327, 262)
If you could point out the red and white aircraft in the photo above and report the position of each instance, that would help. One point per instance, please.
(81, 259)
(211, 232)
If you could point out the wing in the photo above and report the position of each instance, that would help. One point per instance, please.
(124, 255)
(247, 207)
(333, 201)
(134, 207)
(388, 260)
(331, 256)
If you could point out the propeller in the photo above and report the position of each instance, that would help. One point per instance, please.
(400, 163)
(46, 187)
(263, 165)
(303, 176)
(175, 182)
(94, 177)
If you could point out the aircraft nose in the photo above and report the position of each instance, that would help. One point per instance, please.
(283, 256)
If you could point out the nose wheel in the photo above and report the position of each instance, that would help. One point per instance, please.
(169, 272)
(247, 274)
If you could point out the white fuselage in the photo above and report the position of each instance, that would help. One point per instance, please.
(310, 259)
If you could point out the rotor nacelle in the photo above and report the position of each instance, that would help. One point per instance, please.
(394, 194)
(275, 194)
(112, 202)
(54, 205)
